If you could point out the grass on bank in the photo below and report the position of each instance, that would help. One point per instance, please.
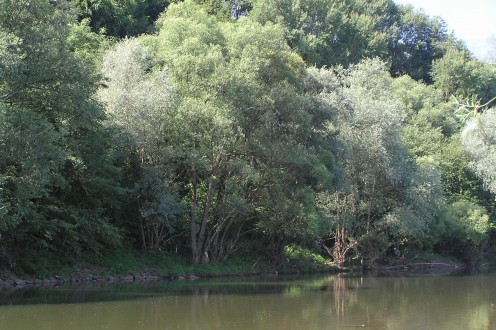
(128, 261)
(296, 259)
(134, 262)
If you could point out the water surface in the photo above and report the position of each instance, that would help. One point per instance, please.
(325, 302)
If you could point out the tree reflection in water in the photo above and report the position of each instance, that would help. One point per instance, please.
(330, 302)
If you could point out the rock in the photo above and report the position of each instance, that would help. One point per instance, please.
(192, 277)
(9, 282)
(128, 278)
(18, 282)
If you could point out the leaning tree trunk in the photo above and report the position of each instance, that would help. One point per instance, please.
(194, 207)
(199, 240)
(201, 244)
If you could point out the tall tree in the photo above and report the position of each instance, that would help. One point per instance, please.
(432, 135)
(378, 192)
(479, 140)
(120, 18)
(325, 32)
(139, 103)
(47, 93)
(458, 74)
(242, 110)
(415, 41)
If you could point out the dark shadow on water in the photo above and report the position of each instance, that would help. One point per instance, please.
(105, 292)
(101, 292)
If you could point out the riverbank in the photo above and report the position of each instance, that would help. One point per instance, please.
(135, 266)
(93, 274)
(88, 275)
(421, 267)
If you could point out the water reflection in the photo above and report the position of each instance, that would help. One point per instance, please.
(330, 302)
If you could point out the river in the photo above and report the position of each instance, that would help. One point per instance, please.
(311, 302)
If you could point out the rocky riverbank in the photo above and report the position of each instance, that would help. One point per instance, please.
(88, 273)
(82, 275)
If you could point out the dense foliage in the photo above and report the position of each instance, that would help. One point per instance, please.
(215, 129)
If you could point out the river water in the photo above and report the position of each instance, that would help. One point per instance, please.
(315, 302)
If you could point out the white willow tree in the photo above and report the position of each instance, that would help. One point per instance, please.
(379, 191)
(138, 100)
(242, 130)
(137, 97)
(479, 140)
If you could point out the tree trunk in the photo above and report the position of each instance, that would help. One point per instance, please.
(341, 247)
(194, 206)
(202, 255)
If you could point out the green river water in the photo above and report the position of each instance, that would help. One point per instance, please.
(315, 302)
